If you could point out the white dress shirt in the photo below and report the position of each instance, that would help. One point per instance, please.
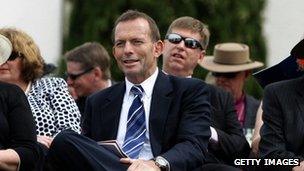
(147, 85)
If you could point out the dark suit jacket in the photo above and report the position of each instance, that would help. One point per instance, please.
(179, 119)
(81, 102)
(251, 109)
(232, 143)
(17, 127)
(282, 134)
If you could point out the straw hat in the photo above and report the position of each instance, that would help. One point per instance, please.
(5, 49)
(229, 57)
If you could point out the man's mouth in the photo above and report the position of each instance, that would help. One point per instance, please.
(3, 69)
(176, 55)
(130, 61)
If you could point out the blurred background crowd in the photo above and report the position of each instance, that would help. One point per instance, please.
(60, 25)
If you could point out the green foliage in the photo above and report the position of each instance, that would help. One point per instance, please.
(228, 20)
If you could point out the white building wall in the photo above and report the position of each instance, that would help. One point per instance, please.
(41, 19)
(283, 28)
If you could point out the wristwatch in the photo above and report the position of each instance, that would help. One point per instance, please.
(162, 163)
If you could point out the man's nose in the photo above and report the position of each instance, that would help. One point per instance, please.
(128, 49)
(181, 44)
(220, 79)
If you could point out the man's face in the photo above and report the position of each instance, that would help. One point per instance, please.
(83, 84)
(233, 84)
(178, 59)
(134, 50)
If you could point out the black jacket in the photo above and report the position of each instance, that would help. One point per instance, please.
(17, 128)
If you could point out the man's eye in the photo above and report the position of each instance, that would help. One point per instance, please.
(137, 42)
(119, 44)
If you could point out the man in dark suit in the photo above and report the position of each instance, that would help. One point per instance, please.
(88, 71)
(282, 133)
(227, 140)
(168, 126)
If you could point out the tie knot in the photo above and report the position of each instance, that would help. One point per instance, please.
(137, 90)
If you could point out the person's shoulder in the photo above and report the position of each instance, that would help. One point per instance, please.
(252, 103)
(107, 91)
(51, 79)
(49, 82)
(5, 87)
(285, 84)
(252, 99)
(188, 82)
(218, 92)
(10, 91)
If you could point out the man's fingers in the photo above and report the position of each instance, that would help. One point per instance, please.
(134, 166)
(126, 160)
(45, 140)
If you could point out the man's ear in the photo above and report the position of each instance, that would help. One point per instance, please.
(202, 55)
(97, 72)
(158, 48)
(113, 52)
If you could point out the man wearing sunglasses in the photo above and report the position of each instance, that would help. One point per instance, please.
(184, 45)
(88, 71)
(231, 66)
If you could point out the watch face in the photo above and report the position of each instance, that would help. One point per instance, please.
(162, 163)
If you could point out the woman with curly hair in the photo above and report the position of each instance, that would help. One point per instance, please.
(18, 146)
(52, 106)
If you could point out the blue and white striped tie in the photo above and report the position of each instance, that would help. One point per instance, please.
(136, 125)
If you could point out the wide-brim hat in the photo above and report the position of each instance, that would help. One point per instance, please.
(5, 49)
(229, 57)
(286, 69)
(298, 50)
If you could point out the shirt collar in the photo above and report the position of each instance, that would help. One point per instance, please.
(240, 100)
(109, 83)
(147, 85)
(28, 88)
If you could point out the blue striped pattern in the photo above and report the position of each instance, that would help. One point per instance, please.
(136, 125)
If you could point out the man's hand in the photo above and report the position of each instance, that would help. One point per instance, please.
(299, 168)
(139, 165)
(45, 140)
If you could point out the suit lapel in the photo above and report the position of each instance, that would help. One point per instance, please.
(159, 110)
(111, 110)
(300, 99)
(299, 114)
(250, 112)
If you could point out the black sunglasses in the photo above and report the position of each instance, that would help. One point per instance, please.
(225, 75)
(14, 55)
(75, 76)
(189, 42)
